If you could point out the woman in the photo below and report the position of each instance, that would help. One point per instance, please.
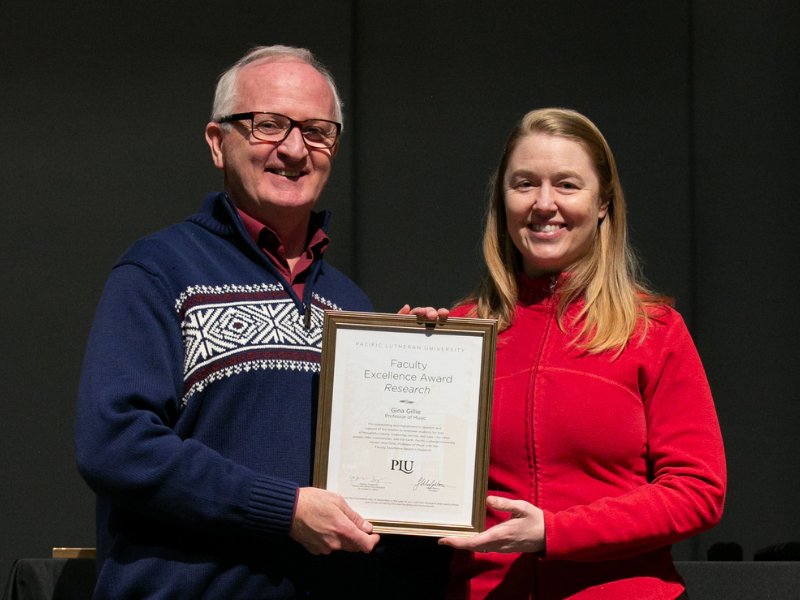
(605, 443)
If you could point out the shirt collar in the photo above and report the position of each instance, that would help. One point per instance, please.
(266, 239)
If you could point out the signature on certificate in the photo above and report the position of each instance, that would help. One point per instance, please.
(432, 485)
(357, 480)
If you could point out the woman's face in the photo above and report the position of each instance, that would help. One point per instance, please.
(552, 201)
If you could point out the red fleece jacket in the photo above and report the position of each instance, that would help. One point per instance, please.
(624, 456)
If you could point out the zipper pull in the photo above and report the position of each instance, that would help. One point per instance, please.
(307, 317)
(553, 282)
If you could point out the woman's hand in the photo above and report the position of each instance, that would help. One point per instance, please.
(523, 532)
(426, 312)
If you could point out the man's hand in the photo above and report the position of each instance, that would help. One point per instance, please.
(523, 532)
(323, 522)
(426, 312)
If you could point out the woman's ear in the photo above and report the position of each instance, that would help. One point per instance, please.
(604, 204)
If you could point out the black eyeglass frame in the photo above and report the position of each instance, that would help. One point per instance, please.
(250, 116)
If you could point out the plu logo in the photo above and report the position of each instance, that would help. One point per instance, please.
(406, 466)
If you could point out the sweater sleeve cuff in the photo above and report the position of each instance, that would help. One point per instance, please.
(271, 506)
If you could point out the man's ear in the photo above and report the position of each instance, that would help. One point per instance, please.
(334, 150)
(214, 138)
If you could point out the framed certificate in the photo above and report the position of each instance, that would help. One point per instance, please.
(404, 420)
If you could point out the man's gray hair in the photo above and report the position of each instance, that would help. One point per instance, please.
(225, 96)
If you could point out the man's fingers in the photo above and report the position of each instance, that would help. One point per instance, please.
(356, 518)
(324, 522)
(360, 537)
(365, 543)
(365, 526)
(364, 539)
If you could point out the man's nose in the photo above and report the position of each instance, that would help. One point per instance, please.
(294, 146)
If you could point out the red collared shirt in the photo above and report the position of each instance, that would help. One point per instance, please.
(266, 239)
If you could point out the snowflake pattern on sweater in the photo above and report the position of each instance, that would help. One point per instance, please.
(232, 329)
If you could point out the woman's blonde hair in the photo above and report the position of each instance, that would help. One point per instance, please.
(615, 297)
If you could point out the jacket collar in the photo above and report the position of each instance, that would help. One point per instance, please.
(534, 290)
(218, 215)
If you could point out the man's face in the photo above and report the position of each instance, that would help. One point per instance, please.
(274, 181)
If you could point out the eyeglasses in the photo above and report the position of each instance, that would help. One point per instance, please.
(274, 128)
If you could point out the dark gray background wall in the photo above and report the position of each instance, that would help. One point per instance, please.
(103, 110)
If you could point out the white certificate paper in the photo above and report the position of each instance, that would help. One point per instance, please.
(407, 424)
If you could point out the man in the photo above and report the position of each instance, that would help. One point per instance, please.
(196, 415)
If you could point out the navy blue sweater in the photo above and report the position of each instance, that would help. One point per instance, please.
(196, 418)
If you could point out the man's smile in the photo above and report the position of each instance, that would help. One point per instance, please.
(285, 173)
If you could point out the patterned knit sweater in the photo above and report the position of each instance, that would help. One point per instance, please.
(196, 416)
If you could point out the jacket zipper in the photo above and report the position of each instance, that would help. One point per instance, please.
(536, 591)
(535, 372)
(271, 268)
